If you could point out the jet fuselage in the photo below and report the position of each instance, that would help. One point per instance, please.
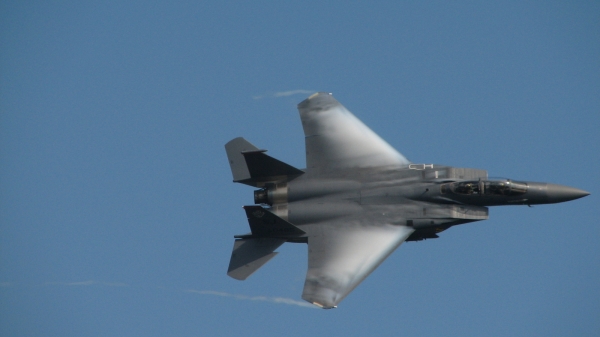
(430, 198)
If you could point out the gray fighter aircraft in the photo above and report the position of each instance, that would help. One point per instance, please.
(357, 200)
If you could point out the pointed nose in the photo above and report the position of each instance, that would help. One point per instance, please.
(561, 193)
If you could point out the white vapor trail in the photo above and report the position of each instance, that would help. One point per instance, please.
(89, 283)
(286, 93)
(83, 283)
(278, 300)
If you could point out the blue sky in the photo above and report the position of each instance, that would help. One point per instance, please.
(117, 210)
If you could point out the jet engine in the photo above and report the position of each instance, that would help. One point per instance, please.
(272, 193)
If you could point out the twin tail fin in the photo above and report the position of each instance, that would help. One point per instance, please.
(251, 166)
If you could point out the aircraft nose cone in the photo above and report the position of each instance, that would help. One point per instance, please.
(561, 193)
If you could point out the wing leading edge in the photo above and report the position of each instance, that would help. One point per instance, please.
(336, 139)
(341, 257)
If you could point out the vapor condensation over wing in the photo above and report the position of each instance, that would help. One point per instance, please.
(285, 93)
(278, 300)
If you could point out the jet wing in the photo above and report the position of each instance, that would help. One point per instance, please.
(342, 256)
(335, 138)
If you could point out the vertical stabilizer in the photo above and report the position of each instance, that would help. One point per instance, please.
(253, 167)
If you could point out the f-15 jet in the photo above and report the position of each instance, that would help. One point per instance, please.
(357, 200)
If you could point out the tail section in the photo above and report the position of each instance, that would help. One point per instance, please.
(252, 251)
(253, 167)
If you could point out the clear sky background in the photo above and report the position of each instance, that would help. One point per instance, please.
(117, 210)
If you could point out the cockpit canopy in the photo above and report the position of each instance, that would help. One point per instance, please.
(505, 187)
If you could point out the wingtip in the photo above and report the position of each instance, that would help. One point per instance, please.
(318, 93)
(322, 306)
(318, 101)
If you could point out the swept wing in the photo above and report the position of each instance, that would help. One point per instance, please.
(336, 139)
(340, 256)
(343, 252)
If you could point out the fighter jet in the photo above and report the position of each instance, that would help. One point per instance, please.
(357, 200)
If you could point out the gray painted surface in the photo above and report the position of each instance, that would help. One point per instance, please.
(357, 200)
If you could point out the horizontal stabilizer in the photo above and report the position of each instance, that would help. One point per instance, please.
(266, 224)
(249, 255)
(253, 167)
